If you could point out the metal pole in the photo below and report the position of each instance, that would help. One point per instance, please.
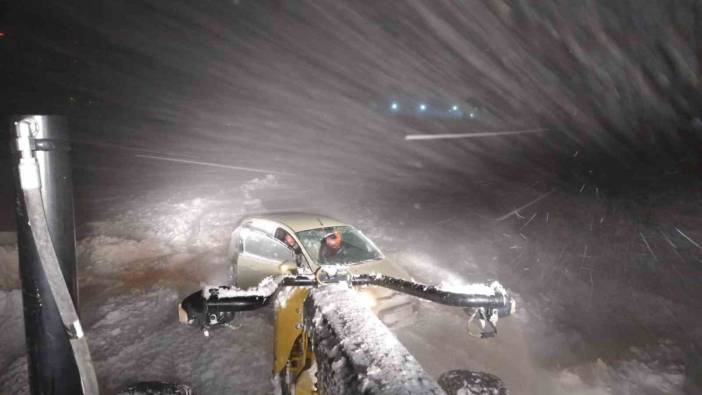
(52, 367)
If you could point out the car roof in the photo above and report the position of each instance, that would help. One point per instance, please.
(298, 221)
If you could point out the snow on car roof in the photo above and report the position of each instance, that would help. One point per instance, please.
(300, 221)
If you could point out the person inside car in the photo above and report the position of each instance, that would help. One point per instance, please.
(290, 241)
(282, 235)
(332, 248)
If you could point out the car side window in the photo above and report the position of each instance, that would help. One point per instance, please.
(259, 244)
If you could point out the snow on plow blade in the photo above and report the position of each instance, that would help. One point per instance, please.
(356, 353)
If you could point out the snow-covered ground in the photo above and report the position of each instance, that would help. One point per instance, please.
(136, 266)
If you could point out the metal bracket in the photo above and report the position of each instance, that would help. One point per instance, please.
(26, 129)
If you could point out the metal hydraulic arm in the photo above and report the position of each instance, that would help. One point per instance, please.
(209, 306)
(321, 327)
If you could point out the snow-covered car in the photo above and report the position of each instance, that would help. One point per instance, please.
(271, 244)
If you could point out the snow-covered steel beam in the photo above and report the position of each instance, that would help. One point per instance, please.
(355, 352)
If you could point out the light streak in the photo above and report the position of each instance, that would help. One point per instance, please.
(217, 165)
(516, 210)
(470, 135)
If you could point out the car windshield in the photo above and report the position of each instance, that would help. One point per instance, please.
(353, 247)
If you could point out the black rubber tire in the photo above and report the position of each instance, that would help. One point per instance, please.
(473, 383)
(156, 388)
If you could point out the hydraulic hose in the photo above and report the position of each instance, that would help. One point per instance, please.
(225, 299)
(436, 295)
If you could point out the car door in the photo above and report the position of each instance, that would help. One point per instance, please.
(261, 255)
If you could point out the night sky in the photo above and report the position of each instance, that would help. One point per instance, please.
(313, 83)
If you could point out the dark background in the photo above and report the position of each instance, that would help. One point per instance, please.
(310, 85)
